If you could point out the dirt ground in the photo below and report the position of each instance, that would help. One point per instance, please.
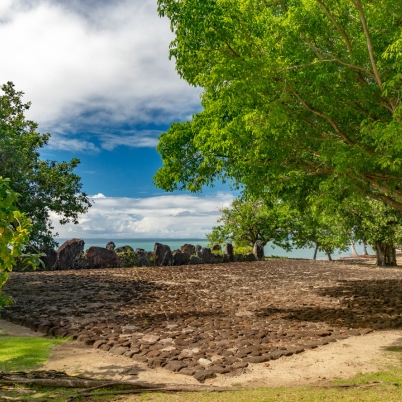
(340, 360)
(272, 323)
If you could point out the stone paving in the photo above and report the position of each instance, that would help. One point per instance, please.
(205, 319)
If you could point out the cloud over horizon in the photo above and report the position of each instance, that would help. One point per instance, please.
(168, 216)
(100, 66)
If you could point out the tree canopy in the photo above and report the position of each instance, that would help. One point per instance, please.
(295, 93)
(42, 185)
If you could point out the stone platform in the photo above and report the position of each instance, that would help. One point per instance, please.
(206, 319)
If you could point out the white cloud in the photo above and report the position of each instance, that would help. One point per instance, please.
(72, 144)
(104, 64)
(140, 139)
(169, 216)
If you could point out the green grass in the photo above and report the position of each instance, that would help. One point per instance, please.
(24, 353)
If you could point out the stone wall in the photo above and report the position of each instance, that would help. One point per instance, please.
(71, 255)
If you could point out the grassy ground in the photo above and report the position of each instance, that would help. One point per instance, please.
(26, 353)
(20, 354)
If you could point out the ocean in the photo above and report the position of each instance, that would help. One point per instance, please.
(270, 249)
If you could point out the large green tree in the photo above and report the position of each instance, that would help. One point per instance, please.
(295, 92)
(43, 185)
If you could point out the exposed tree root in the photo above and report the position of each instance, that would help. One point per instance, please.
(57, 379)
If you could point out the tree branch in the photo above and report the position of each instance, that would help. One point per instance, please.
(359, 8)
(337, 26)
(318, 113)
(331, 61)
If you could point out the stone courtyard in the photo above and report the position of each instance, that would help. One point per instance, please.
(203, 320)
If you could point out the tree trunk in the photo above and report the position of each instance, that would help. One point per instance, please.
(365, 249)
(354, 252)
(315, 251)
(386, 254)
(329, 256)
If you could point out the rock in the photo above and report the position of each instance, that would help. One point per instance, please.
(118, 350)
(257, 359)
(175, 366)
(195, 260)
(204, 362)
(140, 251)
(353, 332)
(187, 371)
(124, 249)
(205, 255)
(250, 257)
(186, 353)
(365, 331)
(217, 247)
(198, 248)
(98, 344)
(110, 246)
(238, 258)
(139, 358)
(157, 362)
(258, 250)
(229, 252)
(219, 369)
(99, 257)
(239, 365)
(180, 258)
(50, 260)
(217, 258)
(162, 255)
(187, 248)
(70, 253)
(203, 375)
(150, 338)
(276, 355)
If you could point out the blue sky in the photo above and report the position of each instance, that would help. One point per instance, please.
(100, 81)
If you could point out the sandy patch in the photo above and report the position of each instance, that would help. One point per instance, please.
(340, 360)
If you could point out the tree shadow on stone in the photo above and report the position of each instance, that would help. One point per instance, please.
(373, 304)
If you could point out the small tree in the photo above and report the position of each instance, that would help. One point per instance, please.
(14, 236)
(249, 220)
(320, 229)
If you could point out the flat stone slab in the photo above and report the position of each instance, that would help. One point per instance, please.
(230, 314)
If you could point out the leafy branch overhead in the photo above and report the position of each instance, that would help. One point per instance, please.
(14, 235)
(295, 93)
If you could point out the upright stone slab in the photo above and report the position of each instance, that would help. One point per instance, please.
(99, 257)
(124, 249)
(162, 255)
(198, 248)
(69, 254)
(50, 260)
(110, 246)
(187, 248)
(250, 257)
(258, 250)
(205, 255)
(229, 252)
(180, 258)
